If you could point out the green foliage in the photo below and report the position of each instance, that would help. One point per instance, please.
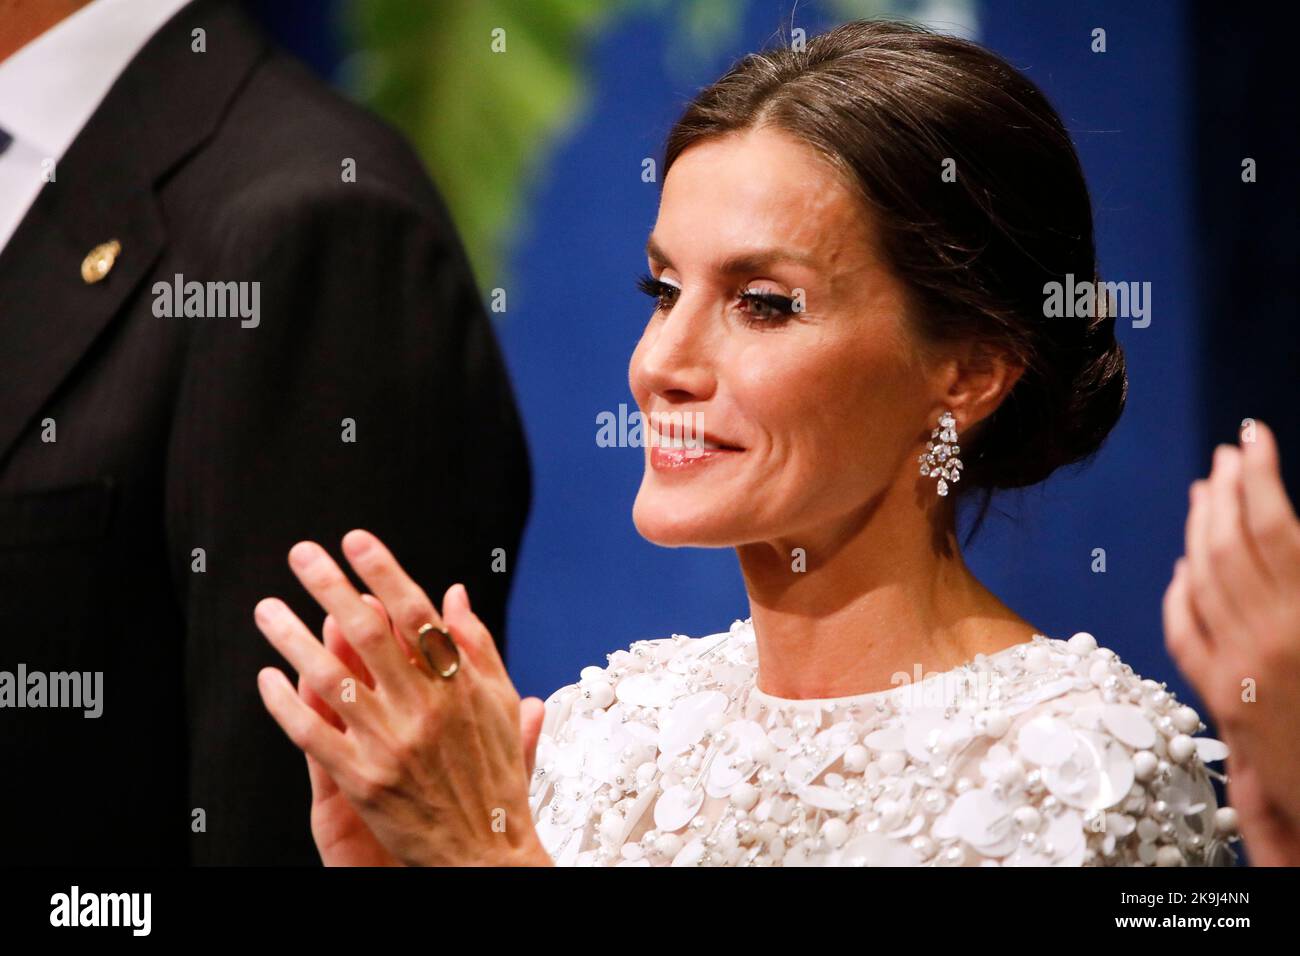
(483, 121)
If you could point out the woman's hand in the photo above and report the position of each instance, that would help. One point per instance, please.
(1232, 624)
(407, 767)
(342, 837)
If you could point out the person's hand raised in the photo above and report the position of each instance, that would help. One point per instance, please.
(407, 766)
(1232, 624)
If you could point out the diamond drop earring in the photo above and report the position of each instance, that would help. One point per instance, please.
(940, 460)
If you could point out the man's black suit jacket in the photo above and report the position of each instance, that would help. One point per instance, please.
(190, 453)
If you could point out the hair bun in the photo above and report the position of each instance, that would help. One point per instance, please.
(1060, 411)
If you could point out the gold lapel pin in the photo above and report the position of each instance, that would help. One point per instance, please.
(99, 261)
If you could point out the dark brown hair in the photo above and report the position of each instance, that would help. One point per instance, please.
(888, 103)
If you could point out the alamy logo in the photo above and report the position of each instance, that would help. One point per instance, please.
(75, 908)
(1070, 299)
(208, 300)
(943, 689)
(660, 429)
(76, 690)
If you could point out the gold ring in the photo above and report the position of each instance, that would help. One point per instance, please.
(424, 649)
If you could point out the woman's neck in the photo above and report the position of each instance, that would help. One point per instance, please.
(882, 592)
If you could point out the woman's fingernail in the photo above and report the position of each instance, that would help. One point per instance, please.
(302, 554)
(266, 611)
(356, 543)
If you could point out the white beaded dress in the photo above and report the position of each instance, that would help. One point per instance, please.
(1046, 753)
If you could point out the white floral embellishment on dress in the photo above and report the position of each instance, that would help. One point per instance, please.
(1049, 752)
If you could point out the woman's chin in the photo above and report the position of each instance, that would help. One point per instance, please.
(659, 522)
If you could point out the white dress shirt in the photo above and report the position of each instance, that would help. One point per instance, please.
(50, 88)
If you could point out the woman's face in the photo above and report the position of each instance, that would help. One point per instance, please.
(817, 411)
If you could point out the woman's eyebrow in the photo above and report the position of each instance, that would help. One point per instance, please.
(751, 261)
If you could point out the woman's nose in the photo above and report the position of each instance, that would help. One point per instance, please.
(674, 358)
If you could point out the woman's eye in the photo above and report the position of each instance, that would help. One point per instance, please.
(663, 293)
(759, 308)
(767, 307)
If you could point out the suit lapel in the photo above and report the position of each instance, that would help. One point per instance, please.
(162, 108)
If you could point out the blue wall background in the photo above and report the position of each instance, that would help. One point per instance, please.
(588, 584)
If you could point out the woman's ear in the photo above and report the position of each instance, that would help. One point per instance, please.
(982, 377)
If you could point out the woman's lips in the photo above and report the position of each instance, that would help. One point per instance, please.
(678, 443)
(674, 459)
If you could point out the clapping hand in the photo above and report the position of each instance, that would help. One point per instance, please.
(1232, 624)
(406, 766)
